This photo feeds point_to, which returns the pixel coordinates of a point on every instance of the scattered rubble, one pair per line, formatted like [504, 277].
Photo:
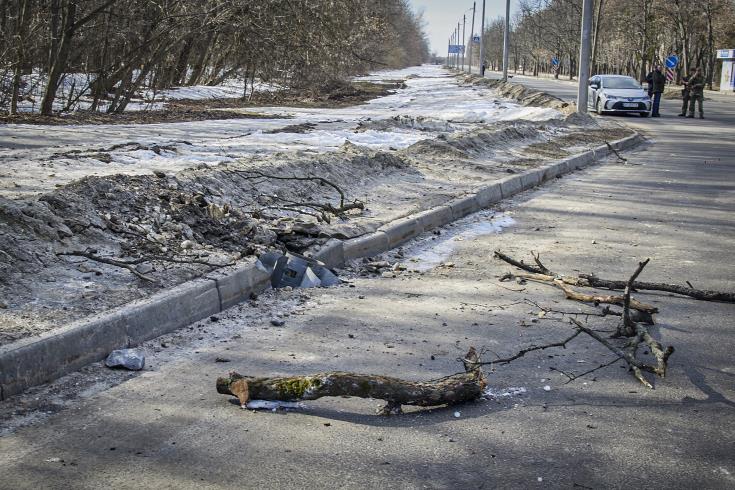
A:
[132, 359]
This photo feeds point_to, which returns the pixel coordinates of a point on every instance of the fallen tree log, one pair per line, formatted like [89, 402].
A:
[450, 390]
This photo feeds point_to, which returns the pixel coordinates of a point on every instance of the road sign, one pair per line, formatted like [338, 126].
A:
[672, 61]
[670, 75]
[724, 54]
[456, 48]
[475, 38]
[555, 61]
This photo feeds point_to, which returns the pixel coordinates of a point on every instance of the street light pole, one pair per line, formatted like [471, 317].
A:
[584, 56]
[506, 40]
[482, 40]
[472, 34]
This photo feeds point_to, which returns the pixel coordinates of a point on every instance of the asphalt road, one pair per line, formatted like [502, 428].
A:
[673, 201]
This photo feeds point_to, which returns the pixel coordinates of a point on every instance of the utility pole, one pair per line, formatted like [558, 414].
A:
[464, 37]
[584, 56]
[449, 47]
[458, 33]
[482, 40]
[506, 40]
[472, 34]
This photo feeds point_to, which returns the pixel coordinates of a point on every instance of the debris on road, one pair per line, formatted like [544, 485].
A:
[450, 390]
[296, 271]
[132, 359]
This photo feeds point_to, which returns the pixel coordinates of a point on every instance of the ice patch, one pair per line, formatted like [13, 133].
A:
[273, 405]
[429, 253]
[506, 393]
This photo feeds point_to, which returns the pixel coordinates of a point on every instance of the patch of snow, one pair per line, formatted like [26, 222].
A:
[506, 393]
[273, 405]
[429, 253]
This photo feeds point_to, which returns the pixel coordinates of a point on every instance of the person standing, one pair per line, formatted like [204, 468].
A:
[685, 94]
[696, 92]
[656, 81]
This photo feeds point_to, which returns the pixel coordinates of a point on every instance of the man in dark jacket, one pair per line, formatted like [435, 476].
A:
[696, 92]
[656, 81]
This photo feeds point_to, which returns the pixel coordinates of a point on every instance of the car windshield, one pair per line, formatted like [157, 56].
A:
[620, 83]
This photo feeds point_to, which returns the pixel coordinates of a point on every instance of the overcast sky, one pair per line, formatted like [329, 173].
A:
[441, 17]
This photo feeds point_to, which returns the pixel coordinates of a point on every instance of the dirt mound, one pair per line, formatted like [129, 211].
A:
[524, 95]
[420, 123]
[479, 143]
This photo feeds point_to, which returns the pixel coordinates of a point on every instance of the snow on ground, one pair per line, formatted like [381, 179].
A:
[432, 103]
[73, 84]
[425, 253]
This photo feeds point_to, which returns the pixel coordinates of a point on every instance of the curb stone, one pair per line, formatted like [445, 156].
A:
[41, 359]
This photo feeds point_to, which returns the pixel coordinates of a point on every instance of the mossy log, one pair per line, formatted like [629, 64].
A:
[449, 390]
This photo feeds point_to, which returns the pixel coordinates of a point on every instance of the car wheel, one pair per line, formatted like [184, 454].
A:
[597, 107]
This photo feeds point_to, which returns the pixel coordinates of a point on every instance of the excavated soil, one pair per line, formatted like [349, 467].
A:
[179, 225]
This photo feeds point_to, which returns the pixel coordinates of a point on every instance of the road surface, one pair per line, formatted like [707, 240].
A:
[673, 201]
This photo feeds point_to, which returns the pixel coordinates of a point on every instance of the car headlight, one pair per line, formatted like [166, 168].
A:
[611, 97]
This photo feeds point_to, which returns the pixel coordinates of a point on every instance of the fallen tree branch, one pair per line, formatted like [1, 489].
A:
[130, 264]
[571, 293]
[612, 149]
[523, 352]
[628, 327]
[254, 174]
[115, 262]
[449, 390]
[628, 353]
[590, 280]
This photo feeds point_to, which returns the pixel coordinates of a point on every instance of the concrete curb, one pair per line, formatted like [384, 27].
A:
[41, 359]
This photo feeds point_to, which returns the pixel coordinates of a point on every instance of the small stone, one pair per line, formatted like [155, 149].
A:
[144, 268]
[547, 388]
[159, 174]
[213, 318]
[187, 245]
[350, 336]
[221, 359]
[457, 414]
[387, 274]
[132, 359]
[277, 323]
[594, 242]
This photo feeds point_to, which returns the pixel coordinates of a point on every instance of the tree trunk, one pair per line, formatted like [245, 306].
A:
[450, 390]
[60, 57]
[595, 39]
[21, 56]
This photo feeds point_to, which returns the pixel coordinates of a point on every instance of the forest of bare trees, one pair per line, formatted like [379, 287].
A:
[629, 36]
[122, 47]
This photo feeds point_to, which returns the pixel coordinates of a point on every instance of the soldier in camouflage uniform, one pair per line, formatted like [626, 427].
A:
[696, 92]
[685, 94]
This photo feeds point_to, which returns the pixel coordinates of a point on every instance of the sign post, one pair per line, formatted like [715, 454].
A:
[671, 62]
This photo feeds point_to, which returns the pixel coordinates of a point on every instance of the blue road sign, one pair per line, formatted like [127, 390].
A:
[554, 61]
[476, 38]
[672, 61]
[456, 48]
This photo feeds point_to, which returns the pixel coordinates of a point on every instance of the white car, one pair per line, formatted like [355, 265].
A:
[617, 93]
